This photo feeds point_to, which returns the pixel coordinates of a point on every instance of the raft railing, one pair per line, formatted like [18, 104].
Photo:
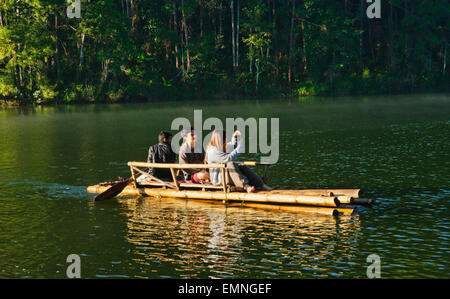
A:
[136, 169]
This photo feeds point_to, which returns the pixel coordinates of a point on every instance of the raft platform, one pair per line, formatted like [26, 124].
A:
[311, 201]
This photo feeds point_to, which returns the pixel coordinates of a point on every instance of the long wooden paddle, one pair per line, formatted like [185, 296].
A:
[113, 190]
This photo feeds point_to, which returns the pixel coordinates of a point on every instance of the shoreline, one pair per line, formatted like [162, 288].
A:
[6, 104]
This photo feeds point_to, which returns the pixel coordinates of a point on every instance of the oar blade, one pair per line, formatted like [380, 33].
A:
[113, 191]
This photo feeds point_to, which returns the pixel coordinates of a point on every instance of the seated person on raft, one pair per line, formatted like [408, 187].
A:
[191, 152]
[241, 176]
[160, 153]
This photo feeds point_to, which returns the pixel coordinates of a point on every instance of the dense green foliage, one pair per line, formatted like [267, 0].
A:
[139, 49]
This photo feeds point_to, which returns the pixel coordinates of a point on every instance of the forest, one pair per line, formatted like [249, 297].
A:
[138, 50]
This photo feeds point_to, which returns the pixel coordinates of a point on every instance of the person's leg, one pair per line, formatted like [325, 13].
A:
[203, 176]
[195, 179]
[252, 176]
[200, 177]
[235, 176]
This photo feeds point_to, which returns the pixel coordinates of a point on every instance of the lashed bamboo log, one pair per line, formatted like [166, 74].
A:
[303, 192]
[354, 201]
[260, 197]
[218, 197]
[337, 192]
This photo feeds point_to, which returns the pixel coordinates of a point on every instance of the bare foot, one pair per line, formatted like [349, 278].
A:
[250, 189]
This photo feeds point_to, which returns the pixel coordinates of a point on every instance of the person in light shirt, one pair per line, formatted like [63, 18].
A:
[241, 176]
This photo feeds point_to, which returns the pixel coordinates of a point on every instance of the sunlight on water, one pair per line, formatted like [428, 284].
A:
[395, 148]
[214, 241]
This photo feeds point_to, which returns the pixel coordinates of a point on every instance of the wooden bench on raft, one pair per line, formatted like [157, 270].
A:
[141, 168]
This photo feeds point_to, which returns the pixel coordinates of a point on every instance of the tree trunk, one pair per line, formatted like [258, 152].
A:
[220, 20]
[175, 25]
[405, 7]
[233, 34]
[390, 53]
[291, 44]
[30, 74]
[370, 40]
[19, 68]
[333, 61]
[237, 36]
[134, 16]
[57, 56]
[257, 75]
[104, 75]
[444, 66]
[361, 9]
[201, 21]
[83, 35]
[250, 50]
[275, 39]
[305, 66]
[188, 59]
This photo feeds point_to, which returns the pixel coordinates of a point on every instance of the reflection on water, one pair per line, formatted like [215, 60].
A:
[197, 239]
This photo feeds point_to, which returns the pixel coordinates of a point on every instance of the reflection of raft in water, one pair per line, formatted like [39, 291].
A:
[316, 201]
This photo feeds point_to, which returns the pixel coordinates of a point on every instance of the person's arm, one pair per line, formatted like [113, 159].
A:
[221, 157]
[151, 155]
[235, 142]
[150, 159]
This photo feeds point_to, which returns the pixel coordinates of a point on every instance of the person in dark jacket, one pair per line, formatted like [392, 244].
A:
[191, 152]
[162, 153]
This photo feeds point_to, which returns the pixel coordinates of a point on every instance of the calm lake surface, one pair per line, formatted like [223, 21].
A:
[396, 148]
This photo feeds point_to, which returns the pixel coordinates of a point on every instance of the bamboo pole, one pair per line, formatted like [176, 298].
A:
[224, 183]
[134, 177]
[354, 201]
[303, 192]
[260, 197]
[174, 165]
[174, 177]
[154, 178]
[337, 192]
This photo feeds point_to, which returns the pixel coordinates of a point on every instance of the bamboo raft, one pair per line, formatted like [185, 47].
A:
[311, 201]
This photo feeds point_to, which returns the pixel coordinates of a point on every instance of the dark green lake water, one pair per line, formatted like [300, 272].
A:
[395, 148]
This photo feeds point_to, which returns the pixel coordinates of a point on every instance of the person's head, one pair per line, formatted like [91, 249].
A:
[189, 136]
[219, 140]
[165, 137]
